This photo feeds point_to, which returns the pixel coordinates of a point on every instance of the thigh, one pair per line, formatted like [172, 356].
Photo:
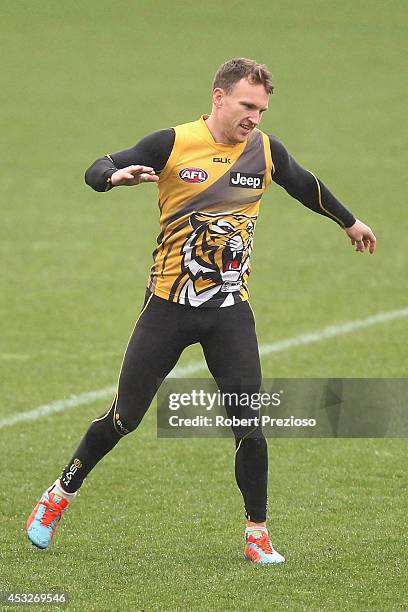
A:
[232, 355]
[231, 347]
[152, 351]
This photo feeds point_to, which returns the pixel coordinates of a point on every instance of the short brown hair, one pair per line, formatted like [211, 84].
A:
[242, 68]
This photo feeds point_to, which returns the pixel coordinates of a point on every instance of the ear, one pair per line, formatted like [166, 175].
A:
[217, 96]
[199, 219]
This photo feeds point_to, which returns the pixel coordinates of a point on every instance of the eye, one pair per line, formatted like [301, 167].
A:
[222, 227]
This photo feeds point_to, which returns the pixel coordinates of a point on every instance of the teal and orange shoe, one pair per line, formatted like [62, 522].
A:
[43, 520]
[259, 549]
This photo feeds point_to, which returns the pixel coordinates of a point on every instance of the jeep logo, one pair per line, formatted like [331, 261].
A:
[193, 175]
[243, 179]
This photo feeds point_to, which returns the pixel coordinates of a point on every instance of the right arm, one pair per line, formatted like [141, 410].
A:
[148, 158]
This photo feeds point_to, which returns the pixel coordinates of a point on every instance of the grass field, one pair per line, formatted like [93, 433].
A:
[158, 525]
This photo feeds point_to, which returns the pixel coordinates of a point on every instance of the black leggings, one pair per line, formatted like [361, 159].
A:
[163, 330]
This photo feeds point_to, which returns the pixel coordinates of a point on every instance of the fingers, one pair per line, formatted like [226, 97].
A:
[133, 175]
[370, 241]
[128, 176]
[137, 170]
[361, 237]
[148, 178]
[143, 174]
[366, 242]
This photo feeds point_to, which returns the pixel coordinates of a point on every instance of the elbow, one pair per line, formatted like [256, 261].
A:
[90, 179]
[87, 177]
[97, 174]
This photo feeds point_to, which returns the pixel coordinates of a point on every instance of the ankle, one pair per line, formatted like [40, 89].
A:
[59, 490]
[251, 524]
[251, 529]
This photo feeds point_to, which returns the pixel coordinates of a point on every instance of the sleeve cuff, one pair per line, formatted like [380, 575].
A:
[108, 174]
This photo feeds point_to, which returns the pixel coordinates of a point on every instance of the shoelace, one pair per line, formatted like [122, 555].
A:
[264, 543]
[52, 512]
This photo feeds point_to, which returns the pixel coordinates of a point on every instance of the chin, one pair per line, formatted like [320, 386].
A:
[241, 138]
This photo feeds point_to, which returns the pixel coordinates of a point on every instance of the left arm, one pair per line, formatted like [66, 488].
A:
[305, 187]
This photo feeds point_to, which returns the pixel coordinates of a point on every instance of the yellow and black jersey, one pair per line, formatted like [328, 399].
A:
[209, 196]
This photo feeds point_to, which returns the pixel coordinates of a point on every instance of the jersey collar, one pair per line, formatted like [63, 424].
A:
[208, 137]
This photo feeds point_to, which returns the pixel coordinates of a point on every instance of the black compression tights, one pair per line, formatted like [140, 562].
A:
[163, 330]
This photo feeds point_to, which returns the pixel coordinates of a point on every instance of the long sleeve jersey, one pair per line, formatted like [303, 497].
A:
[209, 197]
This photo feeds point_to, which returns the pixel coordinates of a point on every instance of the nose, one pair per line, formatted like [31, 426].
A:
[255, 117]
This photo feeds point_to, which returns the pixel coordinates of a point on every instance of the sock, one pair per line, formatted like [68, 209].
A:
[249, 530]
[57, 489]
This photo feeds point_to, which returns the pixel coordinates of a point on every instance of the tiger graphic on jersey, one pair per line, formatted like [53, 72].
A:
[215, 258]
[208, 211]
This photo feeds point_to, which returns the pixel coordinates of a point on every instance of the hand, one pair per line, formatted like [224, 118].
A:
[134, 175]
[361, 236]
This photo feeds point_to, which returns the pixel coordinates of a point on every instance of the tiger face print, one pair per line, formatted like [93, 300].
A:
[215, 258]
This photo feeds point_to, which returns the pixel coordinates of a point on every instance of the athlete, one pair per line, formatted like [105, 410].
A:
[211, 175]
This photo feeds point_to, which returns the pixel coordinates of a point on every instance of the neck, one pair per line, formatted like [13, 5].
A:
[216, 132]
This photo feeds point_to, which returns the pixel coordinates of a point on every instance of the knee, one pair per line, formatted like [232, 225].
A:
[248, 426]
[255, 442]
[124, 422]
[101, 434]
[114, 424]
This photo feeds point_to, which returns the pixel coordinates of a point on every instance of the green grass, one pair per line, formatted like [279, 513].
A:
[158, 525]
[167, 535]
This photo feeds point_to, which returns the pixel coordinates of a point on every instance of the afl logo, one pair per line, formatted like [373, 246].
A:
[193, 175]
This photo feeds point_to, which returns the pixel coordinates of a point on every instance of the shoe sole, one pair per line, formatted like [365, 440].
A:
[36, 544]
[264, 562]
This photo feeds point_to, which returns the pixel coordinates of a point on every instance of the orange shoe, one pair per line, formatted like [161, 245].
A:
[259, 549]
[44, 519]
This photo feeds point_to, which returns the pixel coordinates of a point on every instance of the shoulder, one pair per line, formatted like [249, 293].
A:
[280, 154]
[161, 139]
[277, 145]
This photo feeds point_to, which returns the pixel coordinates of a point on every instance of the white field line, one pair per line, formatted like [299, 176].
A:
[182, 371]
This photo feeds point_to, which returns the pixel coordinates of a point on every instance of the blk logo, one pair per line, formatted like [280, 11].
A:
[244, 179]
[222, 160]
[193, 175]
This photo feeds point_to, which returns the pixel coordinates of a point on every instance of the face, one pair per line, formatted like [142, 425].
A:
[240, 111]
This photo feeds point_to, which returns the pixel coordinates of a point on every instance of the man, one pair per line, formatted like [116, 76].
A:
[211, 175]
